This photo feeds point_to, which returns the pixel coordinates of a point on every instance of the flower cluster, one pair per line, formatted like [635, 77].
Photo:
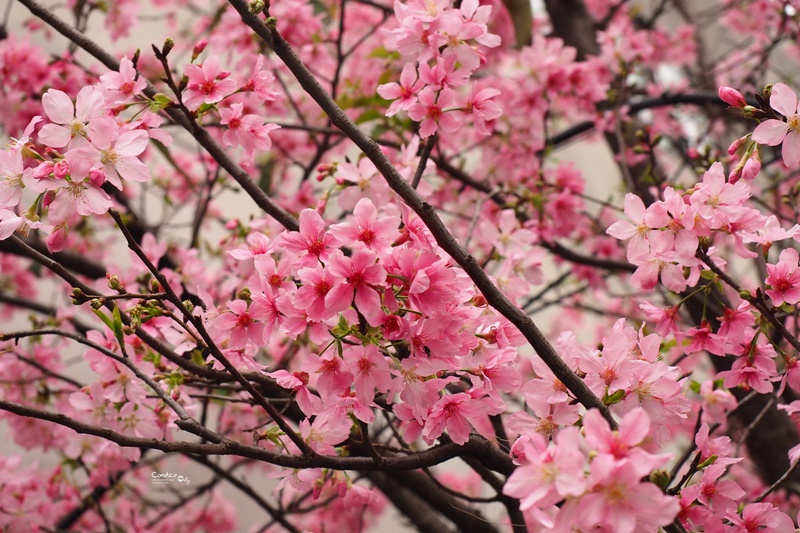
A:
[442, 41]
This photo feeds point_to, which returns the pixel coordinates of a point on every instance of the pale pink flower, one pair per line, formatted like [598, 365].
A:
[774, 132]
[208, 84]
[403, 93]
[122, 86]
[117, 151]
[67, 120]
[547, 474]
[483, 108]
[247, 131]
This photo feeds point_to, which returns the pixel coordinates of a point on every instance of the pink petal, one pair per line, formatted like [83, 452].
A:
[771, 132]
[58, 106]
[54, 136]
[132, 169]
[791, 149]
[783, 100]
[131, 143]
[89, 104]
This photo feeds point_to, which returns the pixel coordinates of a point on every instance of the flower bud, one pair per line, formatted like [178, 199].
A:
[199, 47]
[169, 44]
[736, 145]
[256, 6]
[732, 97]
[749, 111]
[113, 282]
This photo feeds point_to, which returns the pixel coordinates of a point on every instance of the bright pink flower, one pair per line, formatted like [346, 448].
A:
[453, 413]
[751, 372]
[784, 278]
[366, 229]
[761, 518]
[258, 245]
[433, 112]
[702, 338]
[117, 151]
[311, 297]
[208, 84]
[361, 276]
[371, 371]
[334, 377]
[68, 120]
[309, 403]
[774, 132]
[122, 86]
[636, 230]
[403, 93]
[311, 243]
[719, 495]
[239, 325]
[261, 82]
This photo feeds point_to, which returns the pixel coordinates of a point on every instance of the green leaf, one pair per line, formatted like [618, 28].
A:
[614, 398]
[104, 318]
[695, 386]
[117, 326]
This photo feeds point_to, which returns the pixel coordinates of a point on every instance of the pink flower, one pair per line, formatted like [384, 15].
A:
[636, 229]
[361, 275]
[311, 297]
[208, 84]
[402, 93]
[239, 325]
[620, 501]
[118, 151]
[122, 86]
[483, 109]
[622, 444]
[453, 412]
[68, 120]
[371, 371]
[433, 112]
[774, 132]
[720, 495]
[548, 473]
[784, 278]
[762, 518]
[13, 178]
[311, 242]
[247, 131]
[366, 229]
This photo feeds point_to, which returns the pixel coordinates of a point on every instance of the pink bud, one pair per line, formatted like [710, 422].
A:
[736, 145]
[732, 97]
[199, 47]
[60, 169]
[97, 177]
[752, 167]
